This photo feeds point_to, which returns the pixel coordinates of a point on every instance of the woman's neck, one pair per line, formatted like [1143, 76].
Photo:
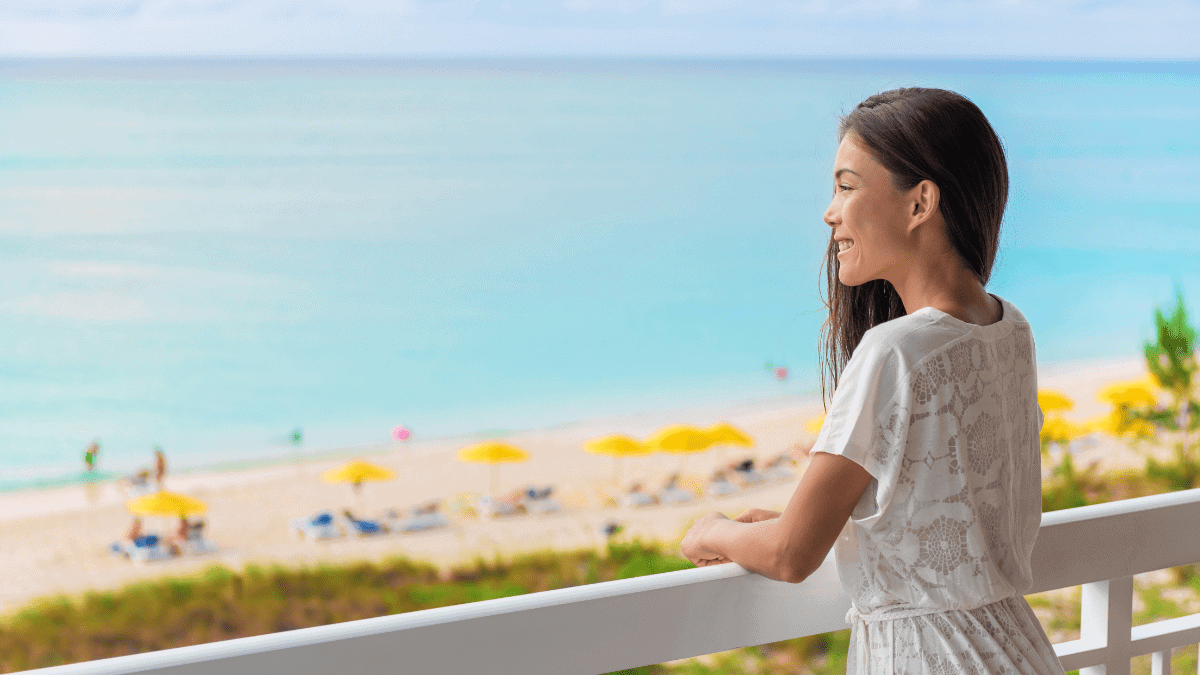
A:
[948, 286]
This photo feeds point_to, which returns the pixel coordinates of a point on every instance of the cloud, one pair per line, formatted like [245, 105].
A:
[804, 28]
[114, 291]
[99, 306]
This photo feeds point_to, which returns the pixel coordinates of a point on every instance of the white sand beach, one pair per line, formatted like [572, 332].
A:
[56, 541]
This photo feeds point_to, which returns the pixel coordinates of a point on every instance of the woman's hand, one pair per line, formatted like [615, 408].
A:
[693, 546]
[755, 515]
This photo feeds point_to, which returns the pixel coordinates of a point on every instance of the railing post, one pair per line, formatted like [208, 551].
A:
[1160, 663]
[1106, 617]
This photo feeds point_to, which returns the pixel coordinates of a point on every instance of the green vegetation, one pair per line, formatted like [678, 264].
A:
[1138, 416]
[222, 604]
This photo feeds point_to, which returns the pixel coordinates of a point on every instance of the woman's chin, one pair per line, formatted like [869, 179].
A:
[848, 278]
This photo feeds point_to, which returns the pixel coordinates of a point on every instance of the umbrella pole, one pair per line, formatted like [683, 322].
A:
[720, 456]
[682, 463]
[492, 481]
[617, 469]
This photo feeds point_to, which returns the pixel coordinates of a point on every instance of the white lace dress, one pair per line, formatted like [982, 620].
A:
[943, 414]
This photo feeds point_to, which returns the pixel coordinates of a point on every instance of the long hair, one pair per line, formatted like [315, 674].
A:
[918, 134]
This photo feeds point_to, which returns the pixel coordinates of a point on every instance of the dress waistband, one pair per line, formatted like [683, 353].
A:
[859, 620]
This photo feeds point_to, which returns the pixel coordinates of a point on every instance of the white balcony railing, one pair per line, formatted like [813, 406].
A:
[614, 625]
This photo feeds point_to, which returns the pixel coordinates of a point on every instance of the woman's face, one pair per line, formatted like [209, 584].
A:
[867, 214]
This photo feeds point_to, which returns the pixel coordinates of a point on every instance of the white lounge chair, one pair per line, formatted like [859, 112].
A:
[540, 501]
[488, 507]
[146, 548]
[636, 499]
[718, 488]
[747, 475]
[320, 526]
[675, 495]
[413, 521]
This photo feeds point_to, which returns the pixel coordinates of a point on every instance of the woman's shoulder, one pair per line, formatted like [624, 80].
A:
[913, 336]
[927, 330]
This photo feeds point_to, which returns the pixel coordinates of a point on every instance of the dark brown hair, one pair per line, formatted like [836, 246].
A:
[918, 134]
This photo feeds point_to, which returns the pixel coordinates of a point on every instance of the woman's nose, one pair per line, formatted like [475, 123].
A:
[830, 216]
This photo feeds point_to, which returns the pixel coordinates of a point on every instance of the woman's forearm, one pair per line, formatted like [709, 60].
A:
[755, 546]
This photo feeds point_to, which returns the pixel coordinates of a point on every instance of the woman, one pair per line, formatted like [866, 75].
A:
[925, 477]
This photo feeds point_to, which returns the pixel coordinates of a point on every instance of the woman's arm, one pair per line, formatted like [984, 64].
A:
[792, 546]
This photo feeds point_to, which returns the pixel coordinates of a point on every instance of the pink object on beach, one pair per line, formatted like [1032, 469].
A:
[400, 434]
[781, 373]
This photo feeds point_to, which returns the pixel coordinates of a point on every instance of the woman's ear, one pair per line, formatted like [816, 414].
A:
[924, 199]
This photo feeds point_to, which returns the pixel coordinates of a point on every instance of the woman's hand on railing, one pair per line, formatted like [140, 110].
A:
[693, 547]
[756, 515]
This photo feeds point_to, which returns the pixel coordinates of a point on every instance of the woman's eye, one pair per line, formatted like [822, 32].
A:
[843, 187]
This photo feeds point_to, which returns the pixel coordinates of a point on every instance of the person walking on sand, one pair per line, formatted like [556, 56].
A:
[925, 478]
[91, 454]
[160, 466]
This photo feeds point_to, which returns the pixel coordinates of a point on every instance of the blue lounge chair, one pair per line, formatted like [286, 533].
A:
[363, 528]
[144, 549]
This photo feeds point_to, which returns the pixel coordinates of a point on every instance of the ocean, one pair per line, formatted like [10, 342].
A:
[206, 255]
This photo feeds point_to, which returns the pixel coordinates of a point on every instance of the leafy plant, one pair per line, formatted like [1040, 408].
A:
[1171, 359]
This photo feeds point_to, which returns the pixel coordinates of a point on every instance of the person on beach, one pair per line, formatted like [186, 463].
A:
[160, 466]
[91, 454]
[925, 477]
[134, 533]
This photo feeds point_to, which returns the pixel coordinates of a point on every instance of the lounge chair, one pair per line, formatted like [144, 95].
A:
[321, 526]
[747, 474]
[414, 520]
[540, 501]
[196, 543]
[144, 549]
[720, 485]
[488, 506]
[363, 528]
[674, 493]
[779, 468]
[636, 497]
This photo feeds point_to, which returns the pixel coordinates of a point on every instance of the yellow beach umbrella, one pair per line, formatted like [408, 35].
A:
[1051, 400]
[1135, 393]
[1114, 424]
[724, 434]
[813, 425]
[680, 439]
[727, 434]
[1056, 429]
[165, 503]
[357, 472]
[493, 453]
[618, 446]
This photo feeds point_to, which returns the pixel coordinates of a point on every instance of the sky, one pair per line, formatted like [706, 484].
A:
[1022, 29]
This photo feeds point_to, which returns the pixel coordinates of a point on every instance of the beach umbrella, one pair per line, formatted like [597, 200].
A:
[1050, 400]
[1057, 429]
[724, 434]
[1115, 424]
[357, 472]
[618, 446]
[1126, 394]
[163, 503]
[813, 425]
[680, 439]
[493, 453]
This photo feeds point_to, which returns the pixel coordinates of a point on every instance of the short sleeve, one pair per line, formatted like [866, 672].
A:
[868, 419]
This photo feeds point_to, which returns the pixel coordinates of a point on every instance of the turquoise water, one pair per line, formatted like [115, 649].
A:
[207, 255]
